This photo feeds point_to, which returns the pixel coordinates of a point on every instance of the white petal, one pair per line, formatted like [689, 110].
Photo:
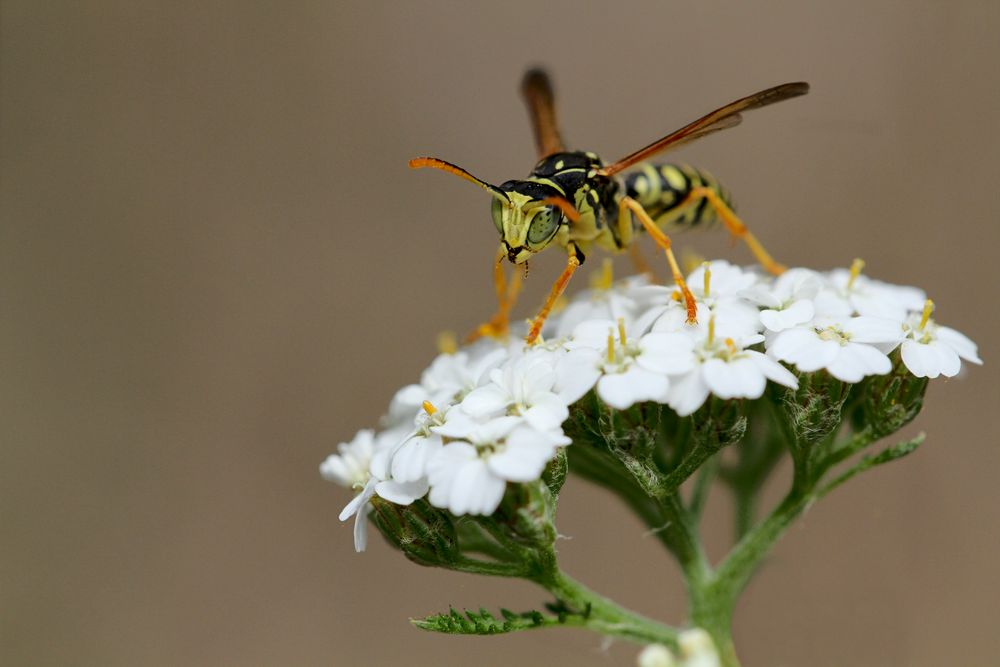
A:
[803, 348]
[648, 319]
[334, 470]
[772, 370]
[486, 400]
[549, 411]
[959, 342]
[576, 374]
[856, 360]
[538, 378]
[950, 362]
[800, 312]
[829, 303]
[647, 385]
[457, 424]
[360, 531]
[402, 493]
[918, 359]
[592, 334]
[409, 460]
[688, 393]
[441, 469]
[495, 429]
[739, 378]
[666, 353]
[930, 360]
[616, 390]
[874, 304]
[734, 319]
[475, 490]
[761, 296]
[522, 459]
[874, 330]
[354, 507]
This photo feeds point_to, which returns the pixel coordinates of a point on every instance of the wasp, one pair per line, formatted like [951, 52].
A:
[572, 200]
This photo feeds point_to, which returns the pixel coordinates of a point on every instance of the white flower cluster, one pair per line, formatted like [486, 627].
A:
[492, 413]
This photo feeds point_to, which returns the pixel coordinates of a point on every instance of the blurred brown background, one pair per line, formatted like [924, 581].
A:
[215, 265]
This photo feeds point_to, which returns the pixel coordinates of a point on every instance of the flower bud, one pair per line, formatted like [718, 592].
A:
[697, 649]
[815, 409]
[425, 534]
[656, 655]
[528, 513]
[892, 401]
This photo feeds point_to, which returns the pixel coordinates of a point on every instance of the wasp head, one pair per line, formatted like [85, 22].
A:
[527, 214]
[526, 224]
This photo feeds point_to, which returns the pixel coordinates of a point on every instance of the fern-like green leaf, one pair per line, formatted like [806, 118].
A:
[482, 622]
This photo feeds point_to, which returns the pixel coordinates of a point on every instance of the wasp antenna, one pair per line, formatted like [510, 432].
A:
[565, 206]
[435, 163]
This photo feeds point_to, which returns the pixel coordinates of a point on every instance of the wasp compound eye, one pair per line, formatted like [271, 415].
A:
[496, 208]
[544, 225]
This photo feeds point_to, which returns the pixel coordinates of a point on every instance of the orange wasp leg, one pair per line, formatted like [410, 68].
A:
[572, 264]
[627, 204]
[498, 325]
[734, 225]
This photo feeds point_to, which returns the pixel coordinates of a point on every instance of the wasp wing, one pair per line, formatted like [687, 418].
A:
[720, 119]
[537, 91]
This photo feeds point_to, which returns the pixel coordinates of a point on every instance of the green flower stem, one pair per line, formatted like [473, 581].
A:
[735, 571]
[680, 534]
[596, 612]
[661, 517]
[702, 485]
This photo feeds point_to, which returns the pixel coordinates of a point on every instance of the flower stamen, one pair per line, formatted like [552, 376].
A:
[429, 408]
[611, 346]
[621, 330]
[711, 330]
[925, 318]
[447, 343]
[708, 278]
[856, 267]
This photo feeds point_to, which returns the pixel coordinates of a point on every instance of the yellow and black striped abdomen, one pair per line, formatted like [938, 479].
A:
[662, 188]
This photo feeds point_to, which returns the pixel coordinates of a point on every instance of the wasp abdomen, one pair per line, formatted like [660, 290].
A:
[661, 189]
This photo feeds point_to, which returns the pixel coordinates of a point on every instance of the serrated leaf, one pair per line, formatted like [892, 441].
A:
[483, 622]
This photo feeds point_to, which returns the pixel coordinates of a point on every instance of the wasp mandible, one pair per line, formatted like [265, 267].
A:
[573, 200]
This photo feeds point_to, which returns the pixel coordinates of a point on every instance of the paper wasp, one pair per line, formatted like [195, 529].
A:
[573, 200]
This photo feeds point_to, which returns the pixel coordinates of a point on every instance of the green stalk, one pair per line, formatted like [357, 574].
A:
[602, 615]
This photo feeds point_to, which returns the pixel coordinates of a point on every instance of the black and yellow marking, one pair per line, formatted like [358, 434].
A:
[662, 189]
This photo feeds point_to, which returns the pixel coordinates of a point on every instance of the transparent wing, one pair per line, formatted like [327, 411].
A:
[537, 91]
[720, 119]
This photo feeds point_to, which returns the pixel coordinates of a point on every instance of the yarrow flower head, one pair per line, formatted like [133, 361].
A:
[467, 471]
[492, 414]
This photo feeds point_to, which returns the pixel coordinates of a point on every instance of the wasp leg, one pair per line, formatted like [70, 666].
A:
[572, 264]
[627, 204]
[498, 325]
[735, 226]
